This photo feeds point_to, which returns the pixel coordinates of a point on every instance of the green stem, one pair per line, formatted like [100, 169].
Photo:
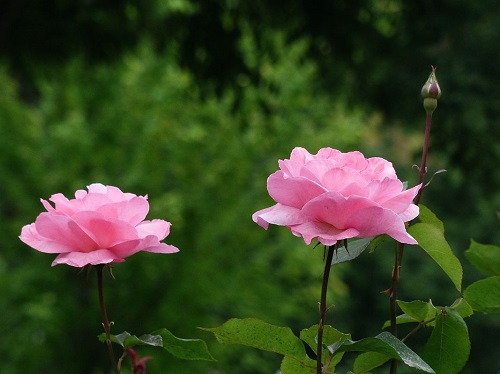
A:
[105, 320]
[425, 151]
[396, 273]
[322, 307]
[419, 326]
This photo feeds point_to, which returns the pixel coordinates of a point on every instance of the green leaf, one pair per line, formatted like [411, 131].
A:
[421, 311]
[291, 366]
[354, 249]
[484, 295]
[462, 307]
[386, 344]
[186, 349]
[126, 340]
[332, 339]
[401, 319]
[448, 347]
[379, 239]
[485, 258]
[258, 334]
[432, 241]
[368, 361]
[427, 216]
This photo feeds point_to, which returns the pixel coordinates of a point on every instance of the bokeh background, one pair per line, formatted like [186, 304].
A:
[193, 102]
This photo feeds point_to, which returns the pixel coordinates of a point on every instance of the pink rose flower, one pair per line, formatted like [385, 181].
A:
[100, 226]
[333, 196]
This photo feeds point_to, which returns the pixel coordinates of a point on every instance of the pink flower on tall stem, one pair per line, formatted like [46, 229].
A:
[100, 226]
[334, 196]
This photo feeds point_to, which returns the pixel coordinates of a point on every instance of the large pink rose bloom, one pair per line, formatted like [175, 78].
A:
[333, 196]
[100, 226]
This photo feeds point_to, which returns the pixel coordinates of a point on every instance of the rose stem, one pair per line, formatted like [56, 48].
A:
[400, 246]
[322, 306]
[105, 321]
[425, 151]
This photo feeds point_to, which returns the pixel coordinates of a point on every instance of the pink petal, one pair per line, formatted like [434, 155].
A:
[279, 215]
[147, 244]
[126, 248]
[98, 188]
[293, 192]
[157, 227]
[80, 259]
[115, 194]
[161, 248]
[31, 237]
[354, 160]
[290, 168]
[63, 205]
[316, 169]
[258, 220]
[374, 220]
[104, 231]
[132, 211]
[328, 153]
[300, 155]
[379, 168]
[94, 201]
[334, 209]
[401, 203]
[346, 181]
[324, 232]
[61, 233]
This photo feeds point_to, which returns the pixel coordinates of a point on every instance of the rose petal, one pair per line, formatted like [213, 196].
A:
[65, 232]
[325, 233]
[290, 168]
[157, 227]
[163, 248]
[104, 231]
[294, 192]
[79, 259]
[374, 220]
[402, 203]
[31, 237]
[379, 168]
[300, 155]
[346, 181]
[279, 215]
[335, 209]
[132, 211]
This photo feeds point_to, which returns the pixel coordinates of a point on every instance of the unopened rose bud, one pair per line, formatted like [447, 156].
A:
[431, 92]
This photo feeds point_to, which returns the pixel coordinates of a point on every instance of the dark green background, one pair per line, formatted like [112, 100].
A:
[193, 102]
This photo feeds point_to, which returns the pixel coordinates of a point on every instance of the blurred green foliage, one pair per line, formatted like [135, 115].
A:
[193, 102]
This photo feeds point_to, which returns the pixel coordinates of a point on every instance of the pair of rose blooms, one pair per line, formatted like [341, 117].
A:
[329, 196]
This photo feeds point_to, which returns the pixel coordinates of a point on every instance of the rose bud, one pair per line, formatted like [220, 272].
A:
[431, 92]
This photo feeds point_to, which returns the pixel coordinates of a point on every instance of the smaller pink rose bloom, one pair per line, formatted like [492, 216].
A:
[334, 196]
[100, 226]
